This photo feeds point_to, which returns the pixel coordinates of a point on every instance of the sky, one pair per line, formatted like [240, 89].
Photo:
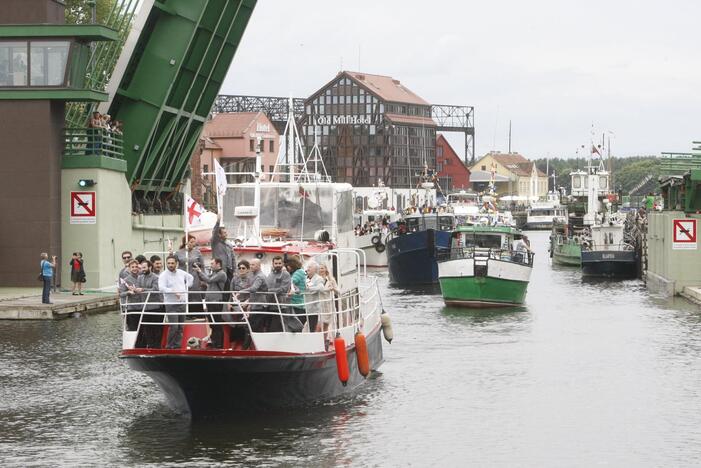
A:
[559, 70]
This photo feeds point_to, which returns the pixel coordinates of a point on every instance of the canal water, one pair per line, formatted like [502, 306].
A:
[587, 373]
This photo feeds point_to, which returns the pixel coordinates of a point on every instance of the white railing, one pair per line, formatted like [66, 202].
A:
[348, 310]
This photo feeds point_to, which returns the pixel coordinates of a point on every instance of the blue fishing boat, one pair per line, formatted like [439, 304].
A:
[412, 247]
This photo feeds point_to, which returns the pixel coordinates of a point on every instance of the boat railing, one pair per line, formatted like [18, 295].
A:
[485, 254]
[588, 245]
[236, 309]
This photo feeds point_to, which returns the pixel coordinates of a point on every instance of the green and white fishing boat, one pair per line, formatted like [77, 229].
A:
[482, 268]
[565, 245]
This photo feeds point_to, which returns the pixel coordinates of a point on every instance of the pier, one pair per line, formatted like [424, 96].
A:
[20, 304]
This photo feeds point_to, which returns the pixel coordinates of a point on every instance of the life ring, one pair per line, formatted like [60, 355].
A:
[375, 240]
[379, 248]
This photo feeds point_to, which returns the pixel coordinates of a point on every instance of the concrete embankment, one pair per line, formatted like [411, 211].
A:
[30, 307]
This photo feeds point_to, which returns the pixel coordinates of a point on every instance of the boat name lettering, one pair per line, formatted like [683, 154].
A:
[608, 256]
[343, 120]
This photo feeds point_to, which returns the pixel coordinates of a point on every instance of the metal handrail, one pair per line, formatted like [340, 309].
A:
[478, 253]
[92, 142]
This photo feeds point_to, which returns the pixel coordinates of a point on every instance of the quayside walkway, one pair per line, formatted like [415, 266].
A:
[25, 304]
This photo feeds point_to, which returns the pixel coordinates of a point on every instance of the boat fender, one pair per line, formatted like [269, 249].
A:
[339, 345]
[387, 327]
[361, 353]
[260, 255]
[375, 240]
[379, 248]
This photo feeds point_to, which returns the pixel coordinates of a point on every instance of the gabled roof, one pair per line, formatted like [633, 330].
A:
[386, 87]
[514, 162]
[441, 140]
[232, 124]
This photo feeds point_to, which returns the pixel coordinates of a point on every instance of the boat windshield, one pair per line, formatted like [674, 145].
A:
[298, 211]
[483, 241]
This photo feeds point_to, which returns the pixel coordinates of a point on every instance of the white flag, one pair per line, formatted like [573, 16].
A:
[193, 212]
[220, 176]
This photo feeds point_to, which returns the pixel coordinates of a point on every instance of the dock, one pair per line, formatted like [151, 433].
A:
[28, 306]
[692, 294]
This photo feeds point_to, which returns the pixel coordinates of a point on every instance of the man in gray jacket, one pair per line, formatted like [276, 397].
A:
[147, 285]
[128, 294]
[216, 282]
[256, 297]
[222, 250]
[279, 283]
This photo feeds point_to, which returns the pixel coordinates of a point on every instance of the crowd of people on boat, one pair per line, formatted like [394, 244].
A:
[238, 294]
[376, 225]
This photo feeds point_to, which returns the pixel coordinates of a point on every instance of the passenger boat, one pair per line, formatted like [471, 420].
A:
[261, 365]
[373, 242]
[412, 247]
[481, 269]
[543, 214]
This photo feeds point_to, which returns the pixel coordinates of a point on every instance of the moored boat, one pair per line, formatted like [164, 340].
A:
[482, 269]
[412, 248]
[566, 245]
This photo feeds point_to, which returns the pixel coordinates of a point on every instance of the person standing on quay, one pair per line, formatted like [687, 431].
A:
[77, 273]
[174, 283]
[47, 274]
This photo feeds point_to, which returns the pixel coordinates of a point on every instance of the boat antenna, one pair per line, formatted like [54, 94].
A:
[509, 136]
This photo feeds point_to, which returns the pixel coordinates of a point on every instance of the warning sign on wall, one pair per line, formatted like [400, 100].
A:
[83, 210]
[684, 237]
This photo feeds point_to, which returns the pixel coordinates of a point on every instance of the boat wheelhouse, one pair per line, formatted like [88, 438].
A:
[413, 246]
[482, 269]
[542, 215]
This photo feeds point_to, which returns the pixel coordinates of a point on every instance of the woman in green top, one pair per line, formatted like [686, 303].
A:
[299, 284]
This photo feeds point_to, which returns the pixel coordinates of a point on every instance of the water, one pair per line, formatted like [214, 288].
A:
[584, 374]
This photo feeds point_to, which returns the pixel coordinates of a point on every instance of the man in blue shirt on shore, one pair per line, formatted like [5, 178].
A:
[47, 274]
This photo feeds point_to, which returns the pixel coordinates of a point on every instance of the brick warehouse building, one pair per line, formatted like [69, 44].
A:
[371, 128]
[452, 172]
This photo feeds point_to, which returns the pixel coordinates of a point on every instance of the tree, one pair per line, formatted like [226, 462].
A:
[80, 11]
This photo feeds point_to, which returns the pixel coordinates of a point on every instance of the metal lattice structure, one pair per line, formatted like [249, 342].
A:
[276, 108]
[168, 85]
[457, 119]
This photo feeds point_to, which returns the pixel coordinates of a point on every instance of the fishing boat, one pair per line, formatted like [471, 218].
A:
[266, 359]
[605, 249]
[566, 244]
[482, 269]
[412, 247]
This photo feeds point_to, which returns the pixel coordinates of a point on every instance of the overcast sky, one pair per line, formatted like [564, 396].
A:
[552, 67]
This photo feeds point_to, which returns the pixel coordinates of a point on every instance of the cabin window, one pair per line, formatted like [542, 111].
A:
[483, 241]
[445, 223]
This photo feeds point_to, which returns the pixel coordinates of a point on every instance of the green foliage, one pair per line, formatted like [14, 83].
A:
[627, 172]
[80, 11]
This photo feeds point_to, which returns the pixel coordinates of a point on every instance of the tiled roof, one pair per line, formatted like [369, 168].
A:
[387, 88]
[411, 119]
[232, 125]
[514, 162]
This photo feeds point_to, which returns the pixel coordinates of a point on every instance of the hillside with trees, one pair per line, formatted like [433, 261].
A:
[627, 172]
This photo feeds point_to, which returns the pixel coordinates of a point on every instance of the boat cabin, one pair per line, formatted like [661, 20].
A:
[422, 221]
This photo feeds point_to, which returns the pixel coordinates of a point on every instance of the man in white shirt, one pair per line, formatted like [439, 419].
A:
[173, 283]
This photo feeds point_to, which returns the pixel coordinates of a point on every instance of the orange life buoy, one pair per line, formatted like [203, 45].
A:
[361, 352]
[339, 345]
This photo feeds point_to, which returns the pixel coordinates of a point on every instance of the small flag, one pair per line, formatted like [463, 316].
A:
[594, 149]
[220, 176]
[193, 212]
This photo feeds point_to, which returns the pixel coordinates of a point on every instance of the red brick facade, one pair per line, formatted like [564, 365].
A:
[452, 172]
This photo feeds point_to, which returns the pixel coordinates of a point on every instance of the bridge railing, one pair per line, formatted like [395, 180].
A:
[92, 142]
